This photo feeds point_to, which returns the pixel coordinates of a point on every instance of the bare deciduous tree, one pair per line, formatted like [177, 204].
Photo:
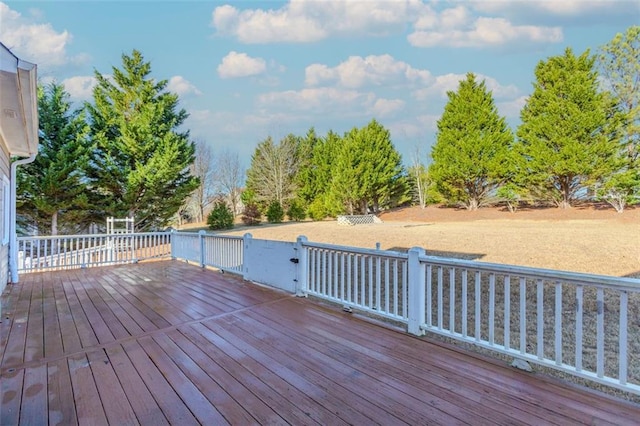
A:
[228, 177]
[202, 168]
[419, 177]
[273, 170]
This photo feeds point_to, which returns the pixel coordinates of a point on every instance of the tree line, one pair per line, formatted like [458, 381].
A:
[125, 153]
[121, 155]
[320, 176]
[578, 140]
[579, 136]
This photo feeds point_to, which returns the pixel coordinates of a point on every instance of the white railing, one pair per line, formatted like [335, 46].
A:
[36, 254]
[371, 280]
[218, 251]
[586, 325]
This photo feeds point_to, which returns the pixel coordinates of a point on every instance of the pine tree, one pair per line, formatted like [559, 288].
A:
[51, 192]
[619, 67]
[317, 188]
[471, 146]
[368, 173]
[569, 137]
[140, 164]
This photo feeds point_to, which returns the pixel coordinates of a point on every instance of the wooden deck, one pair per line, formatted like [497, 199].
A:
[168, 343]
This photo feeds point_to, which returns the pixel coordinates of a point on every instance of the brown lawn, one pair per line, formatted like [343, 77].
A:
[591, 239]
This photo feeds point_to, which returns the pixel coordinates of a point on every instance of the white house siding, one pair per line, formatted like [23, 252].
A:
[5, 173]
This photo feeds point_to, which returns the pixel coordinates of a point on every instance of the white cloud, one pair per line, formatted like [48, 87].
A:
[464, 25]
[35, 42]
[512, 108]
[555, 11]
[449, 82]
[240, 65]
[301, 21]
[386, 107]
[182, 87]
[319, 99]
[80, 87]
[440, 86]
[485, 32]
[414, 127]
[374, 70]
[265, 26]
[329, 102]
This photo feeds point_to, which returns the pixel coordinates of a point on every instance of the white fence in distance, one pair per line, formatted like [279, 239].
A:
[36, 254]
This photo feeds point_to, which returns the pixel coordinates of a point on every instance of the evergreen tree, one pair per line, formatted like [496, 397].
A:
[220, 217]
[321, 199]
[51, 191]
[619, 67]
[472, 143]
[140, 164]
[368, 173]
[306, 181]
[568, 137]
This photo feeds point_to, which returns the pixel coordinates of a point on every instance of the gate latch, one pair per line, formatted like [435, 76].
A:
[294, 260]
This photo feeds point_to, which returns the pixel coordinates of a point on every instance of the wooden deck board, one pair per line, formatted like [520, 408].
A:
[61, 402]
[396, 376]
[168, 343]
[440, 382]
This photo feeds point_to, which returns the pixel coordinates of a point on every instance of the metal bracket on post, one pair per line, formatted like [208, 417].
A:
[417, 293]
[301, 266]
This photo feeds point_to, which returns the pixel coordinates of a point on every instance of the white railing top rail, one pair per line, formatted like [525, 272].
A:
[619, 283]
[357, 250]
[206, 235]
[81, 236]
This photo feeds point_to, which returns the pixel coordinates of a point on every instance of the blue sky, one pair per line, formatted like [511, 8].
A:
[250, 69]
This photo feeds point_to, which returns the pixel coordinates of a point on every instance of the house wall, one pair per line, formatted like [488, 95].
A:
[5, 174]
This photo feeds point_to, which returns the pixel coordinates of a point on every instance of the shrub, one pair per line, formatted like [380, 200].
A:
[275, 213]
[296, 212]
[221, 217]
[251, 215]
[316, 210]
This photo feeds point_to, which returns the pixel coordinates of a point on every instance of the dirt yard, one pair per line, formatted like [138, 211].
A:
[589, 239]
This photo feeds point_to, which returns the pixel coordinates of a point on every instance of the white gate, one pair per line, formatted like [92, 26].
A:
[271, 262]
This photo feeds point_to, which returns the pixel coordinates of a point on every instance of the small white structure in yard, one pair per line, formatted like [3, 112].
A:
[358, 219]
[120, 226]
[18, 138]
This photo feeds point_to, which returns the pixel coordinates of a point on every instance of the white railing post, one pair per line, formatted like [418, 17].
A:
[246, 242]
[201, 235]
[173, 243]
[416, 282]
[301, 278]
[133, 247]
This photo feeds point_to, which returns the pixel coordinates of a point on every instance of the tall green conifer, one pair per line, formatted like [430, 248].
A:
[472, 145]
[51, 191]
[140, 164]
[569, 136]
